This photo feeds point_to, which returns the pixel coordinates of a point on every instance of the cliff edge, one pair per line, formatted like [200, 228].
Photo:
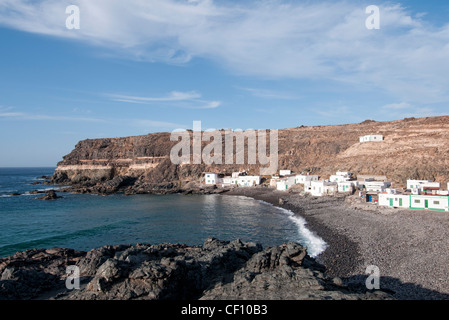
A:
[411, 149]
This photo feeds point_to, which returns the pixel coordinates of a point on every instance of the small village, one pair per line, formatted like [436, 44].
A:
[374, 189]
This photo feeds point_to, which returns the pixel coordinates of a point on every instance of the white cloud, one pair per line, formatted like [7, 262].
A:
[406, 58]
[131, 122]
[173, 96]
[39, 117]
[190, 100]
[397, 106]
[271, 94]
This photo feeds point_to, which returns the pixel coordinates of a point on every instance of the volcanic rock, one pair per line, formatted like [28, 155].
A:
[216, 270]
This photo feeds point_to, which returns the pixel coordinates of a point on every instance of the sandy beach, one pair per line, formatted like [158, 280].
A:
[410, 247]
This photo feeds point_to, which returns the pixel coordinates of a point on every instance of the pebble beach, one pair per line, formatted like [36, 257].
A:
[410, 247]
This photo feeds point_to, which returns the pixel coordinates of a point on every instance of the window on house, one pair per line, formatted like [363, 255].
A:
[417, 201]
[436, 202]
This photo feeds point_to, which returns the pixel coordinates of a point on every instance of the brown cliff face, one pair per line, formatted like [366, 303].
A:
[412, 149]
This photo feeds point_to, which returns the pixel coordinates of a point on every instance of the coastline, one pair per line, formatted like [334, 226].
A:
[409, 247]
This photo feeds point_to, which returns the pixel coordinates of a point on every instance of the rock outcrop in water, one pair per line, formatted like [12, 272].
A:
[412, 149]
[216, 270]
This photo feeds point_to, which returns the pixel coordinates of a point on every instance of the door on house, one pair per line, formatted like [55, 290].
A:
[400, 202]
[426, 202]
[391, 202]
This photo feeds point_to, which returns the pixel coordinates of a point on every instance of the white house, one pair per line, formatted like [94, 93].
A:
[285, 172]
[371, 177]
[372, 137]
[302, 178]
[378, 186]
[347, 186]
[394, 200]
[283, 184]
[211, 178]
[322, 188]
[423, 185]
[417, 202]
[338, 178]
[246, 181]
[416, 184]
[429, 202]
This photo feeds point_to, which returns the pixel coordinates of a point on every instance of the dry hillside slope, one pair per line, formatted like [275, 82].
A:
[412, 148]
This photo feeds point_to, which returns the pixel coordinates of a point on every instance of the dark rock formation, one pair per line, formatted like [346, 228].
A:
[50, 195]
[216, 270]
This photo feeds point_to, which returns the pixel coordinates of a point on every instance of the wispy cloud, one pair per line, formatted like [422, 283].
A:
[271, 94]
[397, 106]
[146, 123]
[406, 58]
[40, 117]
[190, 100]
[173, 96]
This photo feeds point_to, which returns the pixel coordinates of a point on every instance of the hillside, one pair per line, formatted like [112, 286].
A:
[412, 149]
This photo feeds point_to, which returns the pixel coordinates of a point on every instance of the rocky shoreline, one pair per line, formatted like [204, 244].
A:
[217, 270]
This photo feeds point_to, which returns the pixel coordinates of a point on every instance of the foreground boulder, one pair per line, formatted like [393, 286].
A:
[216, 270]
[50, 195]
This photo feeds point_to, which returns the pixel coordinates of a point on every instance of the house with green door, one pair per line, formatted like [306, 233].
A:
[429, 202]
[394, 200]
[415, 201]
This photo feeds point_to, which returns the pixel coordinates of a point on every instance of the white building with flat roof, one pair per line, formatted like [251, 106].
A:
[246, 181]
[423, 184]
[302, 178]
[322, 188]
[285, 172]
[211, 178]
[377, 186]
[347, 186]
[372, 138]
[283, 184]
[394, 200]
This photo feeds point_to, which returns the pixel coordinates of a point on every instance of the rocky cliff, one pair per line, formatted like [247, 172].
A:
[411, 149]
[215, 270]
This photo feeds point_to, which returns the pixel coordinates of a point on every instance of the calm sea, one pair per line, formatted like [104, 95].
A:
[84, 222]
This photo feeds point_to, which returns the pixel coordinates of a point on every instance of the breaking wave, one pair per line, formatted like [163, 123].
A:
[315, 245]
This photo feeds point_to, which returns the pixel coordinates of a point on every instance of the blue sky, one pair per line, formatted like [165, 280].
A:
[136, 67]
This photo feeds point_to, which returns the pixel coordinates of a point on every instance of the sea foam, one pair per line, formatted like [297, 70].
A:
[315, 245]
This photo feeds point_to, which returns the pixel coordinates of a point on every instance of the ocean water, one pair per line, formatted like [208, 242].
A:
[83, 222]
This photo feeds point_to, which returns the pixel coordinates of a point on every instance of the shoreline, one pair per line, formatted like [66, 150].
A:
[409, 247]
[341, 267]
